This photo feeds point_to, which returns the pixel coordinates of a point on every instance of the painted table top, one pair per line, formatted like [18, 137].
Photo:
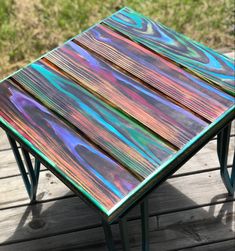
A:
[114, 107]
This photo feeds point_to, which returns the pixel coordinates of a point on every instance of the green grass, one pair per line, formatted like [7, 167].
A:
[29, 28]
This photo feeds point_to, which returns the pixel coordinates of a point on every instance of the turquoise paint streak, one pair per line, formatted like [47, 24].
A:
[55, 79]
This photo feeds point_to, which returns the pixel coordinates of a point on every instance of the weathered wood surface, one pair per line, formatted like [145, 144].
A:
[175, 230]
[223, 245]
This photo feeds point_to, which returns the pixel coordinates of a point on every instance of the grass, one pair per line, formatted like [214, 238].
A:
[29, 28]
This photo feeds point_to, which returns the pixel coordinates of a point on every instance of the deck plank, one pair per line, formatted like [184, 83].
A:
[228, 245]
[175, 194]
[3, 140]
[185, 228]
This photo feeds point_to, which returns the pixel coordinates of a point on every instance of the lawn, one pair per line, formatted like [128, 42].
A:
[29, 28]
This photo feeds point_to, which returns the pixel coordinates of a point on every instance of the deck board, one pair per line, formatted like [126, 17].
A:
[223, 245]
[187, 228]
[51, 189]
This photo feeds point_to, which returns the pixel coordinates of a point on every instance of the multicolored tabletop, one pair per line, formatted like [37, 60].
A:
[117, 108]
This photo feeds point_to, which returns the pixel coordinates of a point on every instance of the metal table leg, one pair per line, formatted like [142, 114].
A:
[124, 234]
[222, 150]
[145, 224]
[31, 183]
[108, 235]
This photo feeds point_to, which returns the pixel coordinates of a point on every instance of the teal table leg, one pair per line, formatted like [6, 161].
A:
[108, 235]
[145, 224]
[31, 178]
[124, 234]
[222, 150]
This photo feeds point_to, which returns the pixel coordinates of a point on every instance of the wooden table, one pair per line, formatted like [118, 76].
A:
[116, 110]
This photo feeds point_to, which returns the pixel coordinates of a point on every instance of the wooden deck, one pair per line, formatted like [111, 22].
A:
[191, 211]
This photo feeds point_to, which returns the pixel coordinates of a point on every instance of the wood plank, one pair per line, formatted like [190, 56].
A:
[4, 144]
[13, 192]
[200, 59]
[133, 146]
[166, 119]
[8, 166]
[103, 181]
[206, 158]
[228, 245]
[184, 88]
[184, 228]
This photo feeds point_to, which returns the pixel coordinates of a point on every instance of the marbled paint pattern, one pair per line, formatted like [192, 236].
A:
[133, 146]
[194, 93]
[104, 179]
[168, 120]
[175, 46]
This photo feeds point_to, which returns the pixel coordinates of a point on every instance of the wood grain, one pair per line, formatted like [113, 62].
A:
[198, 163]
[194, 223]
[137, 149]
[52, 218]
[184, 88]
[227, 245]
[168, 120]
[177, 47]
[105, 181]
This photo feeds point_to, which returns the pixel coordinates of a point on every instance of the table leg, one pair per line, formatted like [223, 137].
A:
[32, 183]
[222, 150]
[124, 234]
[108, 235]
[145, 224]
